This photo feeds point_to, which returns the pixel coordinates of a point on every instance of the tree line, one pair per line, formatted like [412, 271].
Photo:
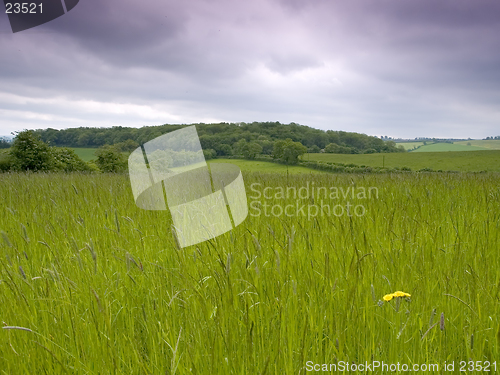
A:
[50, 149]
[227, 139]
[4, 143]
[29, 153]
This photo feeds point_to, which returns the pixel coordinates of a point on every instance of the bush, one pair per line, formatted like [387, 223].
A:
[126, 146]
[6, 162]
[313, 149]
[224, 150]
[65, 159]
[209, 154]
[109, 159]
[288, 151]
[334, 148]
[93, 167]
[30, 153]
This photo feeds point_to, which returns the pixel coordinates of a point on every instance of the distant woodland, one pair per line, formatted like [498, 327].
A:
[227, 139]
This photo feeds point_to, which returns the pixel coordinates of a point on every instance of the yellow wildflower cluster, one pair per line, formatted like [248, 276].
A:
[388, 297]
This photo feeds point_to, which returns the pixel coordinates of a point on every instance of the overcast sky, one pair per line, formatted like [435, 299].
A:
[402, 68]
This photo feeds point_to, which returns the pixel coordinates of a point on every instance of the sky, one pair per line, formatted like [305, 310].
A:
[399, 68]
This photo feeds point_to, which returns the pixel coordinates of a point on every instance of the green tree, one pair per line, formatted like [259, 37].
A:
[288, 151]
[209, 154]
[278, 149]
[127, 146]
[83, 139]
[224, 150]
[109, 159]
[332, 148]
[267, 146]
[292, 152]
[251, 150]
[6, 161]
[239, 147]
[314, 149]
[4, 143]
[30, 153]
[65, 159]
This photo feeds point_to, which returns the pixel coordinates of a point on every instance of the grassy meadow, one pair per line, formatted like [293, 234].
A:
[476, 161]
[493, 144]
[86, 154]
[458, 159]
[90, 284]
[444, 147]
[410, 145]
[471, 145]
[265, 166]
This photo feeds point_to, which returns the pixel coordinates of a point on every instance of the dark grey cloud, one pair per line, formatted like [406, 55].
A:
[396, 67]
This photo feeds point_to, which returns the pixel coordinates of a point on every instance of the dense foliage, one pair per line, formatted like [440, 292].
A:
[110, 159]
[288, 151]
[4, 143]
[30, 153]
[226, 139]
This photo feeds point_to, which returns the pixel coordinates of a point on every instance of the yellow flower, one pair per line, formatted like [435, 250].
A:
[388, 297]
[401, 294]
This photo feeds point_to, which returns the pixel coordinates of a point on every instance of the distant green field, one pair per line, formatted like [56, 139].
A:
[464, 161]
[86, 154]
[472, 145]
[410, 145]
[265, 166]
[490, 144]
[487, 160]
[442, 147]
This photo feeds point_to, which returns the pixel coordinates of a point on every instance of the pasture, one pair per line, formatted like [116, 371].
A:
[90, 284]
[265, 166]
[470, 145]
[410, 145]
[493, 144]
[86, 154]
[447, 161]
[444, 147]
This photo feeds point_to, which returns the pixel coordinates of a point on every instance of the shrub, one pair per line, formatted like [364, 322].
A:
[126, 146]
[209, 154]
[288, 151]
[314, 149]
[6, 162]
[30, 153]
[65, 159]
[109, 159]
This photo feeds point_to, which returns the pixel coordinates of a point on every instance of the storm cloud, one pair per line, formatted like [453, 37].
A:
[403, 68]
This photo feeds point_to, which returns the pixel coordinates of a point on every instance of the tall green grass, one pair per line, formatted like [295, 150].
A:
[90, 284]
